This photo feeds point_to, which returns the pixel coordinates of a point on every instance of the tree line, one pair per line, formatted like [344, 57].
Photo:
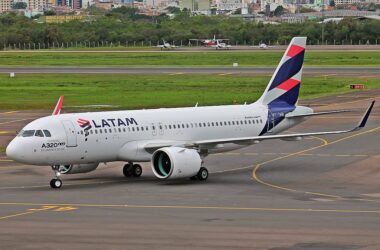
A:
[126, 26]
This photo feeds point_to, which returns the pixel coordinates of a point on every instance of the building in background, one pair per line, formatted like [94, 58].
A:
[5, 5]
[37, 5]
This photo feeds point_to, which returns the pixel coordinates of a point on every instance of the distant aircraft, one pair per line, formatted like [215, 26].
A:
[210, 42]
[174, 140]
[166, 45]
[220, 45]
[262, 46]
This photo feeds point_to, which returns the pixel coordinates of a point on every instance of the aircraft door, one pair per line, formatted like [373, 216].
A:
[71, 136]
[270, 120]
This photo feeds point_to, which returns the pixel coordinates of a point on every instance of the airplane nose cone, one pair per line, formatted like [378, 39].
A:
[12, 152]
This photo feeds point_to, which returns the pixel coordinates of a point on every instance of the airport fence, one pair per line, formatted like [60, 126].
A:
[181, 43]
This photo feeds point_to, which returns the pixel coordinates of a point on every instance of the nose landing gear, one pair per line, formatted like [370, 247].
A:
[56, 181]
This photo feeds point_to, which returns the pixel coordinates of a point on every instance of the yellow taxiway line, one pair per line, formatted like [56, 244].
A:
[252, 209]
[324, 144]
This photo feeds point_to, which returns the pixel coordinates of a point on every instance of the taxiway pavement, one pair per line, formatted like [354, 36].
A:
[319, 193]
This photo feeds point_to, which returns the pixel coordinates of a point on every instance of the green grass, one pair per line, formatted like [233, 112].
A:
[220, 58]
[30, 91]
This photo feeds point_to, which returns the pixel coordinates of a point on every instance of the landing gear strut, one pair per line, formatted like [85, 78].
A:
[56, 181]
[131, 169]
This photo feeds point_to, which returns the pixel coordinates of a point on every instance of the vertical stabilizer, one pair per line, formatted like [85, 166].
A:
[284, 86]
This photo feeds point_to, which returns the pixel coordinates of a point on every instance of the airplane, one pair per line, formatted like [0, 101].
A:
[174, 140]
[210, 42]
[220, 45]
[166, 45]
[262, 46]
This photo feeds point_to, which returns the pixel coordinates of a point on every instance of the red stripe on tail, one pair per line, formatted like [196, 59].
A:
[295, 50]
[288, 84]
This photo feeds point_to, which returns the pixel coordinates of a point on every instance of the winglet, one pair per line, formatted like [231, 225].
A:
[364, 119]
[58, 107]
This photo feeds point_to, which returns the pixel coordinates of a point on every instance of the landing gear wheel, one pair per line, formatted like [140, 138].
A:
[202, 174]
[55, 183]
[136, 170]
[127, 170]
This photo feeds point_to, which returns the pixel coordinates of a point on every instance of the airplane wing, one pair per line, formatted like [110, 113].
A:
[257, 139]
[296, 136]
[58, 106]
[319, 113]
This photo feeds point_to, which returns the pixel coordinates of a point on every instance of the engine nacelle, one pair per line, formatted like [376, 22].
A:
[175, 163]
[78, 168]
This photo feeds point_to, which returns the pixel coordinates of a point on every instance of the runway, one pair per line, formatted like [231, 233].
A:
[319, 193]
[342, 71]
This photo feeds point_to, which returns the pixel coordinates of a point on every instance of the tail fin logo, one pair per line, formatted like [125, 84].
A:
[284, 86]
[85, 124]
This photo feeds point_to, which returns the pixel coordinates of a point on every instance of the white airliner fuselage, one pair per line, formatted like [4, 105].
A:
[122, 135]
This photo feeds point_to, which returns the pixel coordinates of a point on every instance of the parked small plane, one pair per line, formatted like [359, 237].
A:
[212, 42]
[166, 45]
[174, 140]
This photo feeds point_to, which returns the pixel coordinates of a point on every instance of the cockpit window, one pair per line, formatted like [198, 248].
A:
[39, 133]
[28, 133]
[47, 133]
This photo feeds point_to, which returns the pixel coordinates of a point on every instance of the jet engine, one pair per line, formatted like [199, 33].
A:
[175, 163]
[78, 168]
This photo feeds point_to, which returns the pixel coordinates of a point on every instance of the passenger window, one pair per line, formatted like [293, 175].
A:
[100, 131]
[187, 125]
[249, 121]
[146, 128]
[81, 132]
[233, 123]
[183, 126]
[39, 133]
[225, 123]
[123, 129]
[212, 124]
[142, 128]
[129, 129]
[170, 126]
[137, 128]
[96, 131]
[119, 130]
[208, 124]
[110, 130]
[160, 127]
[261, 121]
[47, 133]
[245, 122]
[91, 132]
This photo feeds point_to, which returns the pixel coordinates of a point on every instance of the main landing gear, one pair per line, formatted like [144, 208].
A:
[202, 174]
[131, 169]
[56, 181]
